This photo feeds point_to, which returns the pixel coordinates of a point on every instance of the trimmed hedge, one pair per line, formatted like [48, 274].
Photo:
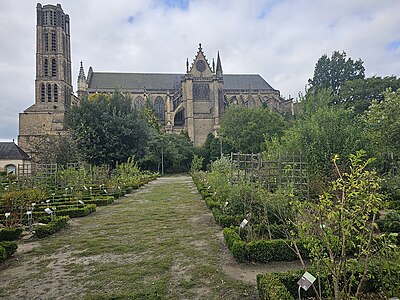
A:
[77, 212]
[270, 288]
[7, 249]
[260, 250]
[10, 234]
[225, 220]
[57, 224]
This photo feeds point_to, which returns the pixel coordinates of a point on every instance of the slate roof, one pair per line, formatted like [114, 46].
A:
[9, 150]
[155, 81]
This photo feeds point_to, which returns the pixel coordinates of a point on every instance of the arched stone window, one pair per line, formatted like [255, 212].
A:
[53, 68]
[139, 103]
[55, 93]
[10, 169]
[159, 108]
[46, 67]
[42, 93]
[49, 92]
[180, 117]
[54, 42]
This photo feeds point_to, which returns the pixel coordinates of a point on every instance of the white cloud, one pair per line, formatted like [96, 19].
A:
[281, 40]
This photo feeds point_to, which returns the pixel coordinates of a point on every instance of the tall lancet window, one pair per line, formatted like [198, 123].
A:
[49, 93]
[159, 108]
[55, 93]
[42, 93]
[53, 68]
[46, 67]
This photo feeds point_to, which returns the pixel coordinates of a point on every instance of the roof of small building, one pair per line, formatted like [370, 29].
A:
[158, 81]
[9, 150]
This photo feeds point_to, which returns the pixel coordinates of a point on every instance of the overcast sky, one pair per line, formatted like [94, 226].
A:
[280, 40]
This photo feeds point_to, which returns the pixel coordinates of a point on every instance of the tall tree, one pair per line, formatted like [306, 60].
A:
[245, 129]
[107, 129]
[358, 94]
[383, 126]
[334, 71]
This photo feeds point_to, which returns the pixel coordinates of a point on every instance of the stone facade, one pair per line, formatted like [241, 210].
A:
[192, 102]
[53, 84]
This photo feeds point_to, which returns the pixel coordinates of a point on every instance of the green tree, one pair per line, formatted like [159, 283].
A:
[320, 132]
[60, 149]
[334, 71]
[173, 151]
[340, 229]
[358, 94]
[245, 129]
[383, 127]
[107, 129]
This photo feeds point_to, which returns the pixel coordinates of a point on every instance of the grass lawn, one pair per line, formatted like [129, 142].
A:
[158, 243]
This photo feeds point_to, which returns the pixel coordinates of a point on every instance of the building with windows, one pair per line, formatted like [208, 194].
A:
[53, 84]
[11, 157]
[192, 101]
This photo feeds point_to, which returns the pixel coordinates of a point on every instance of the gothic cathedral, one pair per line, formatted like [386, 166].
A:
[192, 101]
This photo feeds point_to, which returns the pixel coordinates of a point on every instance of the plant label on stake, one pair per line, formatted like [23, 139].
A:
[244, 223]
[306, 281]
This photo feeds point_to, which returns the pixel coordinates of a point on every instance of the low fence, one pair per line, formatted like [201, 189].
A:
[284, 172]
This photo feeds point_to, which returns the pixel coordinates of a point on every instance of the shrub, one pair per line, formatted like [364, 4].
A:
[57, 224]
[77, 212]
[10, 234]
[225, 220]
[211, 204]
[3, 254]
[261, 250]
[7, 249]
[391, 223]
[270, 288]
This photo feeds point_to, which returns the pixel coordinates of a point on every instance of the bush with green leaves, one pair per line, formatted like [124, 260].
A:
[7, 249]
[54, 226]
[261, 250]
[10, 233]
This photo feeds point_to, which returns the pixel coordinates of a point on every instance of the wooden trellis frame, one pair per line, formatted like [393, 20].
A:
[284, 172]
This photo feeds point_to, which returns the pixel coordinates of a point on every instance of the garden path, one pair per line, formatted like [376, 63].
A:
[160, 242]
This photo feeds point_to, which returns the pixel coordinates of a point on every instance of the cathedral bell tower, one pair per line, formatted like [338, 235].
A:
[202, 88]
[53, 88]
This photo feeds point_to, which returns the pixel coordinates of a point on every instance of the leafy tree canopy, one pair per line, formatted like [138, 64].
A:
[358, 94]
[175, 151]
[382, 121]
[107, 129]
[334, 71]
[322, 131]
[245, 129]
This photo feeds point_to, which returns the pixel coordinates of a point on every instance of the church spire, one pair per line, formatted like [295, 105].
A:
[82, 82]
[219, 66]
[81, 75]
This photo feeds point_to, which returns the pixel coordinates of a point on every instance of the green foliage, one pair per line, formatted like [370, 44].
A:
[60, 149]
[7, 249]
[334, 71]
[322, 131]
[244, 129]
[175, 149]
[391, 222]
[271, 288]
[382, 122]
[358, 94]
[221, 166]
[107, 128]
[197, 164]
[10, 234]
[260, 250]
[54, 226]
[342, 221]
[77, 212]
